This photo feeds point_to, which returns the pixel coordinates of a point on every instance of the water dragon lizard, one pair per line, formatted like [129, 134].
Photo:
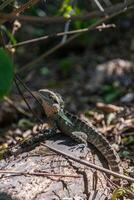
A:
[53, 106]
[65, 122]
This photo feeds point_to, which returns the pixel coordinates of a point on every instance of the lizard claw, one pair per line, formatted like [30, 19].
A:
[82, 147]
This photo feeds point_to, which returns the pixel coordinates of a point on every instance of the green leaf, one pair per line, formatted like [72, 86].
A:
[6, 73]
[67, 9]
[119, 192]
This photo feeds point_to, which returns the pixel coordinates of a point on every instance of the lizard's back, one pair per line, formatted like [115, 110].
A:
[83, 132]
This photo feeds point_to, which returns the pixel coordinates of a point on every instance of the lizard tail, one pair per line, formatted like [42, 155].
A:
[109, 154]
[101, 143]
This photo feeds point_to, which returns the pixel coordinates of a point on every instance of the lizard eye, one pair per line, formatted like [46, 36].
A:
[53, 100]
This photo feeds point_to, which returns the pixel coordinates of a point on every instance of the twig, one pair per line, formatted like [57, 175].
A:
[66, 30]
[99, 5]
[37, 174]
[58, 35]
[58, 46]
[107, 171]
[22, 8]
[105, 26]
[25, 100]
[57, 19]
[26, 88]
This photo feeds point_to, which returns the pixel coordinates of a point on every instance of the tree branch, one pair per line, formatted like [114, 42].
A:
[60, 19]
[89, 164]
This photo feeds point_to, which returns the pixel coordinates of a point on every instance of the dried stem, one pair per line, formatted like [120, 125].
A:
[60, 19]
[21, 9]
[107, 171]
[37, 173]
[58, 35]
[25, 100]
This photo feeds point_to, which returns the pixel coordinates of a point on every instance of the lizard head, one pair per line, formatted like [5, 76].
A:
[52, 102]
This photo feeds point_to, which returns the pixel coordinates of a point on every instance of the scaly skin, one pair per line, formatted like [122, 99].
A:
[82, 132]
[68, 124]
[53, 106]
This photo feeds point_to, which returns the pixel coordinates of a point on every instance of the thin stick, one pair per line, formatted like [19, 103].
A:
[99, 5]
[37, 174]
[61, 19]
[107, 171]
[57, 35]
[21, 93]
[22, 8]
[26, 88]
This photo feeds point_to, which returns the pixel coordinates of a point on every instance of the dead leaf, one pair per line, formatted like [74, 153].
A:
[108, 108]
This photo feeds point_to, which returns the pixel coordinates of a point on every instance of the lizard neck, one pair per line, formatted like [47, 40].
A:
[61, 116]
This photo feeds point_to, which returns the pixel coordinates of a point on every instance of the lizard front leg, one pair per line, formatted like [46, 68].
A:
[81, 138]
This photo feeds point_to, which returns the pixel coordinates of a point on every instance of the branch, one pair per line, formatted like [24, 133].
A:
[58, 35]
[89, 164]
[60, 19]
[21, 9]
[44, 174]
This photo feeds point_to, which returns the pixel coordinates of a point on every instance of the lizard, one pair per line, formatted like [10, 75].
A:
[69, 124]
